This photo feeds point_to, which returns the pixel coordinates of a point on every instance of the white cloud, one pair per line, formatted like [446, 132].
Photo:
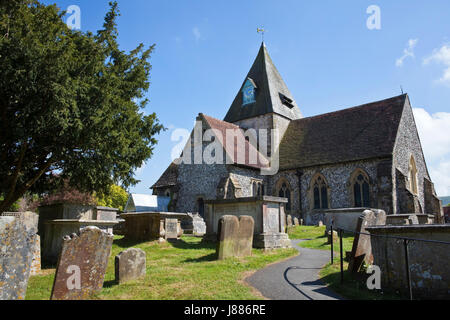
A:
[197, 34]
[441, 56]
[407, 52]
[434, 132]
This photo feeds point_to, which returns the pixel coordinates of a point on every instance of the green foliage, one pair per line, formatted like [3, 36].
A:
[70, 103]
[117, 197]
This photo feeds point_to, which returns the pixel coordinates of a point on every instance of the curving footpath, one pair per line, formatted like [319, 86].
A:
[296, 278]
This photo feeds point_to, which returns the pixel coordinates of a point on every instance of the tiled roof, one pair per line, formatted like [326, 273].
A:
[364, 132]
[232, 152]
[169, 177]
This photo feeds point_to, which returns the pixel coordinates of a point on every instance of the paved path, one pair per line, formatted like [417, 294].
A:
[296, 278]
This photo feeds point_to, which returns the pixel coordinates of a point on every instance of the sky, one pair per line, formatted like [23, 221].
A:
[331, 54]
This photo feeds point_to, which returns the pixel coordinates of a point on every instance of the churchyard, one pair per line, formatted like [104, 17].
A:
[176, 270]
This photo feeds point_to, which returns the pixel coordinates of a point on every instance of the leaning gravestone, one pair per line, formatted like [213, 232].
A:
[235, 236]
[130, 265]
[82, 264]
[17, 244]
[296, 222]
[362, 247]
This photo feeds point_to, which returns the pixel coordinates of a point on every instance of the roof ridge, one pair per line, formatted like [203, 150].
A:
[352, 108]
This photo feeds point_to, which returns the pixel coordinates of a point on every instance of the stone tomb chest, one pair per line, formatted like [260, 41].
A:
[149, 226]
[267, 212]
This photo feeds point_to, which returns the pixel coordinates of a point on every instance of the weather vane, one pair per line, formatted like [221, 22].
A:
[262, 31]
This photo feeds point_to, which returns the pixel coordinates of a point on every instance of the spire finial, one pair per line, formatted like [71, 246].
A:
[262, 31]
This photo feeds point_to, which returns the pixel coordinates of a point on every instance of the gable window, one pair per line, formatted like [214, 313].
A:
[248, 92]
[284, 191]
[319, 197]
[412, 176]
[361, 189]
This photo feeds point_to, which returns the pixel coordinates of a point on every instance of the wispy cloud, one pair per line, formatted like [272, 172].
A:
[433, 130]
[441, 56]
[407, 52]
[197, 34]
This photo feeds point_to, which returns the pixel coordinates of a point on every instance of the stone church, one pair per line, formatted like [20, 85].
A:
[367, 156]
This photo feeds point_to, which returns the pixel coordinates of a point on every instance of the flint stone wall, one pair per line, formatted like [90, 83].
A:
[430, 275]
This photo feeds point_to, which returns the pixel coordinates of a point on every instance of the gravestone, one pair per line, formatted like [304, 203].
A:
[36, 262]
[171, 227]
[289, 221]
[235, 236]
[320, 224]
[130, 265]
[82, 264]
[335, 237]
[296, 222]
[362, 247]
[245, 236]
[17, 244]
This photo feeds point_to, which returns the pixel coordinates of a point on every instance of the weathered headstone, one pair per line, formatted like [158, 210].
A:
[82, 264]
[320, 224]
[289, 221]
[296, 222]
[334, 237]
[171, 228]
[36, 262]
[130, 265]
[17, 244]
[235, 236]
[245, 236]
[362, 248]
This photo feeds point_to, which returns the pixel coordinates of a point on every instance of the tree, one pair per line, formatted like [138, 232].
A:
[117, 197]
[70, 103]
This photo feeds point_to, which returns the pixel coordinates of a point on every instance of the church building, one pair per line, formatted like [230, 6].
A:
[368, 156]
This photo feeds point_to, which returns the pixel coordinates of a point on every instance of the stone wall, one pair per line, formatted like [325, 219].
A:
[338, 179]
[428, 262]
[407, 144]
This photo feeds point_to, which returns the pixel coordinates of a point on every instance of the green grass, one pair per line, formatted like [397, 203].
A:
[181, 270]
[354, 287]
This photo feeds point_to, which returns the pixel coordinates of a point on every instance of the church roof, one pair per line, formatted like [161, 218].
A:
[222, 127]
[169, 177]
[364, 132]
[271, 93]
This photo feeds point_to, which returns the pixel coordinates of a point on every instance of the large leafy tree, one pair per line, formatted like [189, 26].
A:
[70, 104]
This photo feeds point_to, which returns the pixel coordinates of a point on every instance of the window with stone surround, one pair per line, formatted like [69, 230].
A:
[412, 176]
[284, 190]
[319, 193]
[360, 189]
[257, 187]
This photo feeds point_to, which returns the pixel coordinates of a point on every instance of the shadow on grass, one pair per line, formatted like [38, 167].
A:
[125, 243]
[110, 284]
[181, 244]
[207, 258]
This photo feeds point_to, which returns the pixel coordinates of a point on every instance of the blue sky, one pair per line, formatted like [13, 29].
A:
[323, 49]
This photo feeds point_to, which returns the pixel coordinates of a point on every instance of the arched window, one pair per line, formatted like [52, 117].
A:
[319, 196]
[412, 176]
[360, 188]
[257, 188]
[284, 191]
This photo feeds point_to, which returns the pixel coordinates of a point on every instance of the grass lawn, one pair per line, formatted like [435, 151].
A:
[181, 270]
[352, 288]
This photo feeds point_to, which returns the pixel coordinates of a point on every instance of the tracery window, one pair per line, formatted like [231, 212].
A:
[284, 191]
[319, 189]
[360, 185]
